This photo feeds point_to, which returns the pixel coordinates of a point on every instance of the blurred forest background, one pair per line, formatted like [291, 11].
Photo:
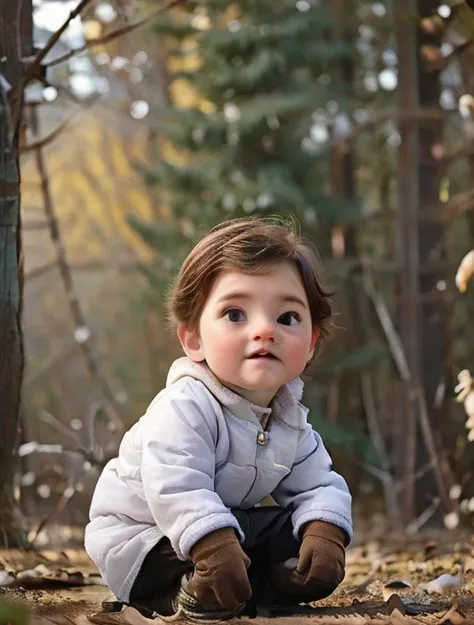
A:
[355, 116]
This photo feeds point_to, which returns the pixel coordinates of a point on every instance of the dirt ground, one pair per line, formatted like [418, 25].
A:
[400, 580]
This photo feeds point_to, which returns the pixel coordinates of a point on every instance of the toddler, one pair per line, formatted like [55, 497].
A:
[175, 522]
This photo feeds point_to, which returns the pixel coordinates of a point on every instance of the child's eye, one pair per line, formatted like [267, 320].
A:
[289, 318]
[234, 315]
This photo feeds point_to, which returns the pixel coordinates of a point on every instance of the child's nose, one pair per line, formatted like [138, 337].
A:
[264, 330]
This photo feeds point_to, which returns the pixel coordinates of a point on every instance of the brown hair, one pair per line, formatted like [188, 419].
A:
[250, 245]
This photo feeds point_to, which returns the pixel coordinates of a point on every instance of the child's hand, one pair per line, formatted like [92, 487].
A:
[220, 572]
[321, 558]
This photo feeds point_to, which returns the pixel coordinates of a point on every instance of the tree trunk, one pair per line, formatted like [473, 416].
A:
[421, 243]
[13, 23]
[432, 250]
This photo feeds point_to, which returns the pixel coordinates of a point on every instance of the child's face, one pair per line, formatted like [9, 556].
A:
[255, 331]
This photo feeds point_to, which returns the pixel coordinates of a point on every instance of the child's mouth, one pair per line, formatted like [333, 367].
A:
[266, 356]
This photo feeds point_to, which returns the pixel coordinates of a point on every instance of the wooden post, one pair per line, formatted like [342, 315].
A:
[14, 22]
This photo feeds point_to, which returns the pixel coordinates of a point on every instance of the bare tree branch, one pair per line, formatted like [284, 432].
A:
[390, 492]
[90, 357]
[93, 265]
[62, 90]
[49, 138]
[417, 524]
[38, 224]
[457, 50]
[39, 271]
[460, 204]
[59, 129]
[400, 485]
[115, 33]
[94, 453]
[413, 389]
[51, 362]
[86, 453]
[58, 507]
[32, 67]
[55, 37]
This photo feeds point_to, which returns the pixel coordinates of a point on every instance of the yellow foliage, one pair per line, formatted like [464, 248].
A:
[188, 63]
[189, 44]
[183, 94]
[205, 106]
[173, 155]
[94, 185]
[191, 63]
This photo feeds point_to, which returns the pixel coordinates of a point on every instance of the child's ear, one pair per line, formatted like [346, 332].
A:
[190, 342]
[314, 339]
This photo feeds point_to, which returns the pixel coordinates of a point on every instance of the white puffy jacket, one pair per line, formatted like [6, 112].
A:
[198, 451]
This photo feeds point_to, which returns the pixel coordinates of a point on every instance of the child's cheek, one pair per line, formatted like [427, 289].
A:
[298, 353]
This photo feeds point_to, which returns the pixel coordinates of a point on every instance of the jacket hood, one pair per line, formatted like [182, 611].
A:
[287, 395]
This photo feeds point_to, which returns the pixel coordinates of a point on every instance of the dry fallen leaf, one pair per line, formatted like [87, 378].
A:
[6, 579]
[394, 602]
[452, 616]
[443, 584]
[396, 586]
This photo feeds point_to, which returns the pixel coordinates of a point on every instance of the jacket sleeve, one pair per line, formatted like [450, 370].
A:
[177, 471]
[313, 489]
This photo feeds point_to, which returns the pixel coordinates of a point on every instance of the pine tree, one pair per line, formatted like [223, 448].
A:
[270, 95]
[256, 141]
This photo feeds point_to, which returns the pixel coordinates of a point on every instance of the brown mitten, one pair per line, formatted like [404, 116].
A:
[220, 571]
[320, 566]
[321, 558]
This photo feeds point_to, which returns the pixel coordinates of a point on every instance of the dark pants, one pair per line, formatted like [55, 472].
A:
[268, 541]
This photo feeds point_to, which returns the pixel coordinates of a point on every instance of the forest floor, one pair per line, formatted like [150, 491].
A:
[400, 580]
